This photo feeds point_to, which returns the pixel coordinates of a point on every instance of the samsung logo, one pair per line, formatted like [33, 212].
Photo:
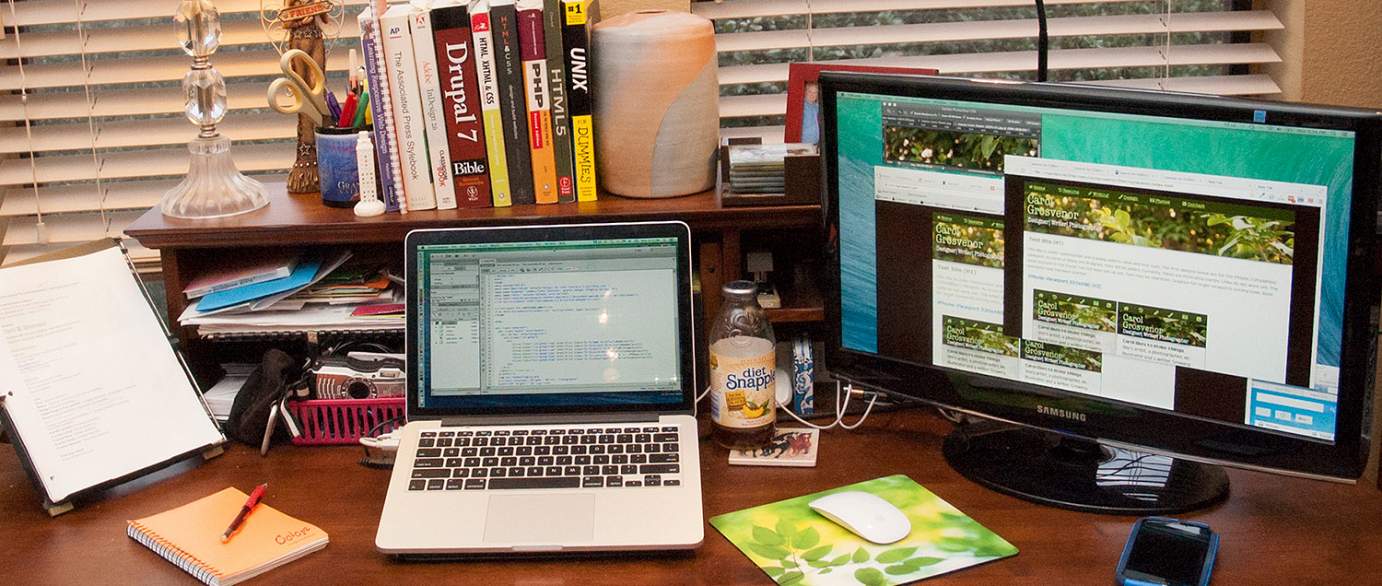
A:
[1062, 413]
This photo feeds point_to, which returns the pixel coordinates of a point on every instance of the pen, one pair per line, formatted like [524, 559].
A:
[360, 111]
[244, 512]
[333, 105]
[347, 115]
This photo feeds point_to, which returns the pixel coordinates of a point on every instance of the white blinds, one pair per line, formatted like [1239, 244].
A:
[98, 82]
[1184, 45]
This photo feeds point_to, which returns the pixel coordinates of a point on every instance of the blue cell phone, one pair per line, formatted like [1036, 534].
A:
[1168, 552]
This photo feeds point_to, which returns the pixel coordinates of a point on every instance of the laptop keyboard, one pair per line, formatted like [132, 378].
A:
[583, 457]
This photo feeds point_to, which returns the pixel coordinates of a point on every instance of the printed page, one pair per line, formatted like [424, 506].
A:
[92, 385]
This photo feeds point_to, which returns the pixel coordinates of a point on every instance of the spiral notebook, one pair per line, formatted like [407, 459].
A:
[190, 537]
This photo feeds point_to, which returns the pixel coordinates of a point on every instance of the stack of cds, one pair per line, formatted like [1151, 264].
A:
[758, 168]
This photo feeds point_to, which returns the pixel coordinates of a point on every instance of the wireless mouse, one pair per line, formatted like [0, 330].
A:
[864, 514]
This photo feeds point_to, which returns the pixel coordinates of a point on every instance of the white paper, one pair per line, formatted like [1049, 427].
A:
[91, 383]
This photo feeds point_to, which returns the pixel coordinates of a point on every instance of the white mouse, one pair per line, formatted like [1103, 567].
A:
[865, 514]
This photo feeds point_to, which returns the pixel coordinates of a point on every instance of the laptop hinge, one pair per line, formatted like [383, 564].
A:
[528, 419]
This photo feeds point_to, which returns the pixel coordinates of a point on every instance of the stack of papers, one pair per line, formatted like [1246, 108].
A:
[321, 293]
[759, 168]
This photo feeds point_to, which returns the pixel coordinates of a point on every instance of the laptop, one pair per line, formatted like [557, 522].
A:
[550, 393]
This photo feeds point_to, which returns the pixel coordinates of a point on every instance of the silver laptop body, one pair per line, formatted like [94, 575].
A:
[550, 393]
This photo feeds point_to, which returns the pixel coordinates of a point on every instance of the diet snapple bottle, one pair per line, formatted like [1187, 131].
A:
[742, 369]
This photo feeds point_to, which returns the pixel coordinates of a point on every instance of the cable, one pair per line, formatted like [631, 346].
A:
[841, 407]
[1043, 40]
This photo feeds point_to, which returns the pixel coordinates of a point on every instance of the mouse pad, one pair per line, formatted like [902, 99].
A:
[796, 545]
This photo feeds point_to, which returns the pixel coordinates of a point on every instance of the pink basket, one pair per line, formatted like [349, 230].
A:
[344, 421]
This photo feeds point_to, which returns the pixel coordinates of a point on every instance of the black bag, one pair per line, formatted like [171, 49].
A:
[249, 415]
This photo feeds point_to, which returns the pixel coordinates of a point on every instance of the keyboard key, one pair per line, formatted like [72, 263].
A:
[582, 460]
[431, 473]
[579, 449]
[545, 460]
[616, 449]
[570, 439]
[487, 451]
[614, 481]
[516, 471]
[563, 460]
[436, 484]
[444, 442]
[455, 462]
[428, 452]
[633, 449]
[650, 430]
[643, 438]
[470, 451]
[527, 461]
[489, 462]
[665, 437]
[509, 461]
[499, 432]
[551, 440]
[518, 441]
[571, 470]
[520, 432]
[483, 433]
[446, 434]
[540, 482]
[592, 482]
[590, 470]
[624, 438]
[460, 472]
[543, 450]
[461, 442]
[497, 472]
[659, 469]
[600, 459]
[534, 441]
[429, 434]
[475, 484]
[426, 442]
[607, 438]
[451, 452]
[652, 481]
[504, 451]
[663, 458]
[480, 442]
[671, 428]
[588, 439]
[552, 471]
[479, 472]
[522, 450]
[609, 469]
[671, 482]
[465, 433]
[556, 431]
[597, 449]
[670, 448]
[472, 462]
[535, 471]
[630, 430]
[561, 450]
[634, 483]
[417, 484]
[619, 459]
[454, 484]
[628, 469]
[428, 463]
[638, 459]
[575, 430]
[539, 432]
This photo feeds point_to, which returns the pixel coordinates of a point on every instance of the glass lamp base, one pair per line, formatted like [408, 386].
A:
[214, 188]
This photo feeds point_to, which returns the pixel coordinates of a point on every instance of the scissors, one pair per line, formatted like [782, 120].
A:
[304, 95]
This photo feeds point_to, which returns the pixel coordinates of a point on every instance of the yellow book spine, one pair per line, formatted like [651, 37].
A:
[498, 164]
[540, 131]
[583, 147]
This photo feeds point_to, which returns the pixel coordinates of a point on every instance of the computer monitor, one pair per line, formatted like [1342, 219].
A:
[1142, 282]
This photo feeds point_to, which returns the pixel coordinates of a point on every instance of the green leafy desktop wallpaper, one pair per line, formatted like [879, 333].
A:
[795, 545]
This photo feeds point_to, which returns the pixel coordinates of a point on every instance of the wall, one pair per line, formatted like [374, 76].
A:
[1330, 51]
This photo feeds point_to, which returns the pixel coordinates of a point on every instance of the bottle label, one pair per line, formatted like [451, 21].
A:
[743, 383]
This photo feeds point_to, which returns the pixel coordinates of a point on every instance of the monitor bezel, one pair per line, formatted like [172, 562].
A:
[1116, 422]
[548, 233]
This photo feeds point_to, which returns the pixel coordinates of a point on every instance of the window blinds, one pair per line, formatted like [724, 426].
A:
[1182, 45]
[92, 131]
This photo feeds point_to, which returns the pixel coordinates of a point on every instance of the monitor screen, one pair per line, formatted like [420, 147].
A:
[548, 325]
[1192, 266]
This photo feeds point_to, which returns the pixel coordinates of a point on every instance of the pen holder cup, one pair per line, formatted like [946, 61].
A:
[340, 174]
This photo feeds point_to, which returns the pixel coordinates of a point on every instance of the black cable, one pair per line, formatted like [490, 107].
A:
[1043, 41]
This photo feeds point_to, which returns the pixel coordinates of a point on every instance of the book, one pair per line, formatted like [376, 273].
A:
[91, 377]
[407, 107]
[433, 119]
[302, 275]
[496, 154]
[575, 38]
[381, 105]
[189, 536]
[243, 270]
[789, 447]
[780, 537]
[460, 104]
[556, 89]
[512, 101]
[532, 48]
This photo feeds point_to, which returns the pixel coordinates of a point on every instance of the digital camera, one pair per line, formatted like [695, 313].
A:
[359, 375]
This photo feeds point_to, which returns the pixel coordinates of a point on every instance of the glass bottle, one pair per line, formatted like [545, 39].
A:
[743, 366]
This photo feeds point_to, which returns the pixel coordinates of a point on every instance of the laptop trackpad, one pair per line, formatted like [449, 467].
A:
[540, 519]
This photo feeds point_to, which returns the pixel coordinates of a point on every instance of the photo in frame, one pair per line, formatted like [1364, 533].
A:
[803, 95]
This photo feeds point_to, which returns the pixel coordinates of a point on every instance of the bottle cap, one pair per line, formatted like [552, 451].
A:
[740, 289]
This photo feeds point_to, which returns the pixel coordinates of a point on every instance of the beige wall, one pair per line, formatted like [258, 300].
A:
[1331, 51]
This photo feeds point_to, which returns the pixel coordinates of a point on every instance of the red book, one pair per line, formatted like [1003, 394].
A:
[460, 91]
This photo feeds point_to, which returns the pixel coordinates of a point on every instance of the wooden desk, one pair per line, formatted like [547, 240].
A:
[1275, 530]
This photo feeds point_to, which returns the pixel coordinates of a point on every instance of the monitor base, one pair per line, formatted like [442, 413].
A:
[1074, 474]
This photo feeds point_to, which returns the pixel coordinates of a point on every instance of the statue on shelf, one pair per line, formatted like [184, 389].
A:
[304, 23]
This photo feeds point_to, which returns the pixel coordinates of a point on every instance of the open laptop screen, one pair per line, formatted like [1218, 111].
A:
[518, 326]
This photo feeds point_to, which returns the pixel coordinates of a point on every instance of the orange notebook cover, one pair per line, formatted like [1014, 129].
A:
[190, 537]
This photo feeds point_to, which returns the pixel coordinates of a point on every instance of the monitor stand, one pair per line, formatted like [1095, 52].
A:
[1078, 474]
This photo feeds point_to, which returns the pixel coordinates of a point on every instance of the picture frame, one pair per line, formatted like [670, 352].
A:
[803, 76]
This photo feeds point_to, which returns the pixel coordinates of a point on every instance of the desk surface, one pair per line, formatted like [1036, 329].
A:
[1275, 530]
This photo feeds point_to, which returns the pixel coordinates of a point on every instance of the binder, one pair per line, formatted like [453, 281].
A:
[143, 390]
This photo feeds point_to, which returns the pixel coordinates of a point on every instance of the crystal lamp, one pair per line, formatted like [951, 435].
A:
[213, 188]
